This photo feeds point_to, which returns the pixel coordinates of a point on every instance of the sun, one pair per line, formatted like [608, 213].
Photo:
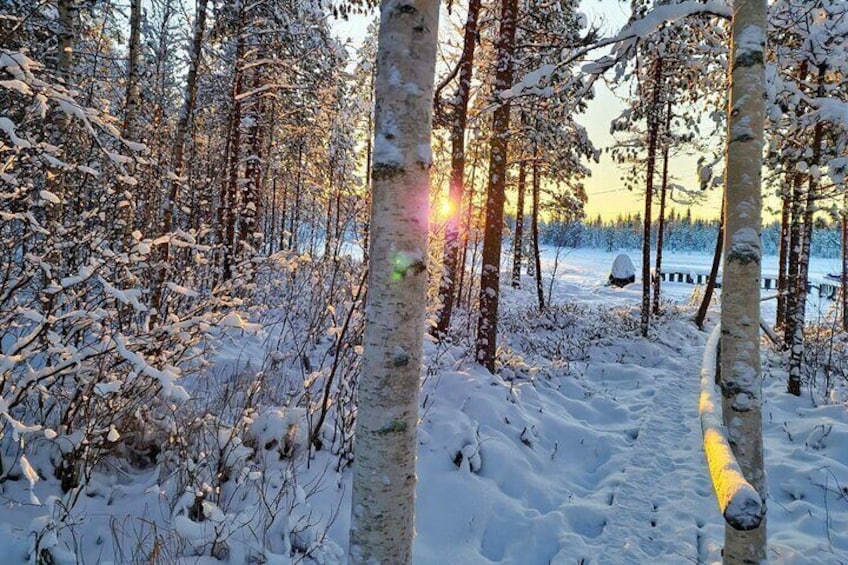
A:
[442, 208]
[445, 207]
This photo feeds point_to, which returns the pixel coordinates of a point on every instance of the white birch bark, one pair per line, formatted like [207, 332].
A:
[132, 101]
[741, 379]
[384, 464]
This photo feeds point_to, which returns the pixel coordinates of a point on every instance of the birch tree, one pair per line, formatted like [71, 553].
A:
[741, 379]
[384, 467]
[132, 100]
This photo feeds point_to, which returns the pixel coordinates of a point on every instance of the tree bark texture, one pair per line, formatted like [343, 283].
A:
[796, 350]
[384, 466]
[653, 134]
[793, 257]
[741, 377]
[487, 323]
[447, 289]
[132, 101]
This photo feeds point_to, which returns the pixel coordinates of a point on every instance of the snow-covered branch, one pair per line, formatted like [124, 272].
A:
[740, 504]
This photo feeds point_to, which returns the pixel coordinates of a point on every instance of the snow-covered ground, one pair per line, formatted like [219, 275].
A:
[598, 459]
[586, 448]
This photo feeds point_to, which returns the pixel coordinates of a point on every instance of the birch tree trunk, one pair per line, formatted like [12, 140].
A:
[384, 467]
[741, 378]
[793, 258]
[132, 102]
[487, 323]
[783, 257]
[844, 289]
[447, 289]
[67, 12]
[66, 36]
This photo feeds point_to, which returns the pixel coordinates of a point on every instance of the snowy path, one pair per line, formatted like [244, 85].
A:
[664, 500]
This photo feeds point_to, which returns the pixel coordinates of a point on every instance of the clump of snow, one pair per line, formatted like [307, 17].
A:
[233, 320]
[622, 267]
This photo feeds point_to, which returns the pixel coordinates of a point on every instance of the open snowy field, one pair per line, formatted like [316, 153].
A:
[586, 448]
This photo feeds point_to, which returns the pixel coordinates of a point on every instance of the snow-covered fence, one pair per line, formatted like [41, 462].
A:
[740, 504]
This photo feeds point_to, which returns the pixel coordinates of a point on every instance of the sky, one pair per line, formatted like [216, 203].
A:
[605, 189]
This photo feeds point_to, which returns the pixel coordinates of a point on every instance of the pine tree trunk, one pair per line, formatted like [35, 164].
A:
[741, 378]
[447, 288]
[796, 350]
[384, 466]
[711, 282]
[653, 134]
[661, 218]
[534, 228]
[518, 236]
[794, 240]
[487, 323]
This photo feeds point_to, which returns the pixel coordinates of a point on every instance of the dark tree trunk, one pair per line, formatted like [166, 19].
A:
[295, 212]
[518, 236]
[711, 282]
[447, 288]
[534, 227]
[796, 351]
[794, 243]
[466, 228]
[783, 256]
[661, 218]
[487, 326]
[653, 134]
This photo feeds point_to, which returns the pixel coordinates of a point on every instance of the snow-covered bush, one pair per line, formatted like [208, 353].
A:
[824, 369]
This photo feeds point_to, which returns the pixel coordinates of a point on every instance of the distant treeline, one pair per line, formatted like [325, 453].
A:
[682, 233]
